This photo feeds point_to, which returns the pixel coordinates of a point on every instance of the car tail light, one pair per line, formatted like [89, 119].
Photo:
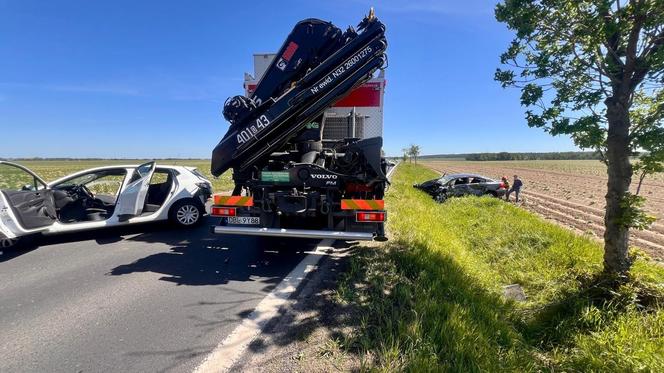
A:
[223, 211]
[370, 216]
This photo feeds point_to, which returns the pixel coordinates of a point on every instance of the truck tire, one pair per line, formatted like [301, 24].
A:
[186, 213]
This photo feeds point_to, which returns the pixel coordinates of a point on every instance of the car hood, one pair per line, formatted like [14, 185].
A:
[428, 183]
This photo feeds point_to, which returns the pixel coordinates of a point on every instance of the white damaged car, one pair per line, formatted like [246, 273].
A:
[97, 198]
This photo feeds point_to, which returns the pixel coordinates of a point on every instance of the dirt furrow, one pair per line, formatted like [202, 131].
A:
[573, 200]
[652, 248]
[656, 227]
[596, 220]
[595, 177]
[575, 187]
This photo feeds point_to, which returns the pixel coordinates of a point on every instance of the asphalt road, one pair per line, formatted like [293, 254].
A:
[138, 299]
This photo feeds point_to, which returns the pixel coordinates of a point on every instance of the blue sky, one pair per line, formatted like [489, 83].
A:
[146, 79]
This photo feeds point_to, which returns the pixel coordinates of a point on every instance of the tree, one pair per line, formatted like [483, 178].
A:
[503, 156]
[414, 151]
[593, 70]
[406, 152]
[648, 164]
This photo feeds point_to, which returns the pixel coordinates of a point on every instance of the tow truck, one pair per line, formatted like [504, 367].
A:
[291, 180]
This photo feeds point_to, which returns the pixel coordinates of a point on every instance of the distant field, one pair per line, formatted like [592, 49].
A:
[571, 192]
[581, 167]
[51, 170]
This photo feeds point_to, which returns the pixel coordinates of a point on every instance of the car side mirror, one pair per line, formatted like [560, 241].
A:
[28, 188]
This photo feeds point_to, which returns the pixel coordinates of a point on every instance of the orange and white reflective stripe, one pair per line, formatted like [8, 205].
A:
[362, 204]
[233, 200]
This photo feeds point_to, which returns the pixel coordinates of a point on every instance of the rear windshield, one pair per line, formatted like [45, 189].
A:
[198, 173]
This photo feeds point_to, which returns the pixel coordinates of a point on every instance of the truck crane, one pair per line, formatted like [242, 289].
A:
[289, 181]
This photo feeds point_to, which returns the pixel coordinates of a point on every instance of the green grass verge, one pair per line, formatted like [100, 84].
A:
[432, 298]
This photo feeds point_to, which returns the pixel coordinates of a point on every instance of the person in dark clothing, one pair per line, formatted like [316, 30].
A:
[516, 188]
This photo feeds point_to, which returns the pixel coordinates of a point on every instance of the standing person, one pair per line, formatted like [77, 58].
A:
[516, 188]
[506, 185]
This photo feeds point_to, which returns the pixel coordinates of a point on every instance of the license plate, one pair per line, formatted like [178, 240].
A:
[244, 220]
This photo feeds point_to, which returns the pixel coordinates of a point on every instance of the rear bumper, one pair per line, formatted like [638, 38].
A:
[295, 233]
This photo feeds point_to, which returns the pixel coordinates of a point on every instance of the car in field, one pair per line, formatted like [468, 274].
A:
[455, 185]
[99, 197]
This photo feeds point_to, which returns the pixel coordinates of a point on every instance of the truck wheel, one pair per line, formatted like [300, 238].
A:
[186, 213]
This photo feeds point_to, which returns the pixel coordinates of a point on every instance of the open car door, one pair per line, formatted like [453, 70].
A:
[26, 204]
[132, 197]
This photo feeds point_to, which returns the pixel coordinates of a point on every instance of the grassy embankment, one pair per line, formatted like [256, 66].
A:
[431, 299]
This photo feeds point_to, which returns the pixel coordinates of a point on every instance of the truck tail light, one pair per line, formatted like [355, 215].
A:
[355, 187]
[370, 216]
[223, 211]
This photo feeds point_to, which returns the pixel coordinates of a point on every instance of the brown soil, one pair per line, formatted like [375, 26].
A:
[574, 200]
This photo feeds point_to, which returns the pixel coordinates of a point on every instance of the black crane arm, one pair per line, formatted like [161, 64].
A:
[316, 66]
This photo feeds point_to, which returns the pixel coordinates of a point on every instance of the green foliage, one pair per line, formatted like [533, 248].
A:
[414, 151]
[593, 70]
[506, 156]
[406, 154]
[633, 215]
[649, 164]
[431, 299]
[570, 57]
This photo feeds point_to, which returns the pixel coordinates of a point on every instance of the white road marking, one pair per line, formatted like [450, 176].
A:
[222, 358]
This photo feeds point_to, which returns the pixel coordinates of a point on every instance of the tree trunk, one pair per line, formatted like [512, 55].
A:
[641, 178]
[616, 235]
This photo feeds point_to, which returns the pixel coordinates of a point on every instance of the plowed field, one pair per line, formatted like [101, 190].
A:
[571, 193]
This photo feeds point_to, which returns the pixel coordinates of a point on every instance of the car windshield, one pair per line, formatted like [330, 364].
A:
[446, 179]
[81, 180]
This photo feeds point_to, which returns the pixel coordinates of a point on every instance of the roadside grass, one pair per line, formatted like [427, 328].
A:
[431, 299]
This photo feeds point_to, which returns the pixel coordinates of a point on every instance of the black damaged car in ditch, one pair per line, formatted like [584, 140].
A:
[457, 185]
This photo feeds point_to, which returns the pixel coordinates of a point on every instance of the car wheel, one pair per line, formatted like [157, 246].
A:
[186, 213]
[440, 197]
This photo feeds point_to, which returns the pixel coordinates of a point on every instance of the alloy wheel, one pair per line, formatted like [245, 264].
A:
[187, 214]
